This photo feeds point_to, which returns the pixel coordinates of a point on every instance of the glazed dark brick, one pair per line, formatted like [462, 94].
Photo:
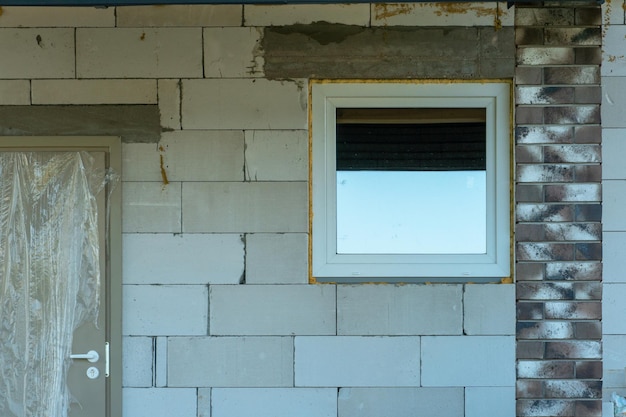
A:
[572, 153]
[542, 369]
[530, 271]
[588, 212]
[572, 231]
[543, 134]
[590, 290]
[529, 36]
[588, 16]
[529, 388]
[536, 251]
[573, 389]
[540, 16]
[544, 95]
[588, 134]
[588, 173]
[544, 330]
[573, 271]
[529, 115]
[545, 408]
[589, 408]
[541, 55]
[572, 75]
[588, 330]
[530, 349]
[528, 193]
[573, 310]
[544, 212]
[544, 173]
[590, 192]
[588, 95]
[528, 76]
[545, 290]
[589, 251]
[589, 370]
[529, 232]
[529, 311]
[529, 154]
[590, 36]
[582, 114]
[588, 55]
[579, 349]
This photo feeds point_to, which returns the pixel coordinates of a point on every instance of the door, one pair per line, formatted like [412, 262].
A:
[60, 278]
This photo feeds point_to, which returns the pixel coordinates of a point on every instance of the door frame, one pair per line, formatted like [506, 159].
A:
[112, 146]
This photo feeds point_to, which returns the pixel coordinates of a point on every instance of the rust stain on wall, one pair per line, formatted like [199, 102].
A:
[446, 9]
[385, 11]
[162, 166]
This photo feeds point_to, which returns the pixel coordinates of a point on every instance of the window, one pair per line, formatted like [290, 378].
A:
[410, 180]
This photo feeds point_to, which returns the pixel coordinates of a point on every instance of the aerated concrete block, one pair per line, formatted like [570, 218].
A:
[159, 402]
[151, 207]
[230, 361]
[165, 310]
[277, 155]
[244, 104]
[399, 309]
[240, 207]
[613, 309]
[37, 53]
[58, 16]
[94, 92]
[352, 361]
[272, 310]
[233, 52]
[483, 316]
[137, 361]
[183, 259]
[461, 361]
[179, 15]
[376, 402]
[274, 402]
[138, 52]
[613, 262]
[613, 219]
[203, 155]
[490, 401]
[14, 92]
[291, 14]
[277, 258]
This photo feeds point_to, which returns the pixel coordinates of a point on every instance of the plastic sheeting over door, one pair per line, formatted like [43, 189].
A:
[49, 274]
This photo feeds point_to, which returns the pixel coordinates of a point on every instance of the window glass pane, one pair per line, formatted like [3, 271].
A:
[411, 181]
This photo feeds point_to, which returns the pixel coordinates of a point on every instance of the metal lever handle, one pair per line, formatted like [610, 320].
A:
[91, 356]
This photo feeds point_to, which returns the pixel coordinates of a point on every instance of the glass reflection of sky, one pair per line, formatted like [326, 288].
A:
[411, 212]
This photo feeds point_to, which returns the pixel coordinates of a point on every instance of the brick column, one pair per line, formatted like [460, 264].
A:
[558, 209]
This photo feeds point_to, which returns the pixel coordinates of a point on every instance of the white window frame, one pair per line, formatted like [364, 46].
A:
[329, 95]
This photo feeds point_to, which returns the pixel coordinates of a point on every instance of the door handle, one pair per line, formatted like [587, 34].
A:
[91, 356]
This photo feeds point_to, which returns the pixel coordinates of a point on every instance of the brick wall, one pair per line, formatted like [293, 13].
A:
[558, 214]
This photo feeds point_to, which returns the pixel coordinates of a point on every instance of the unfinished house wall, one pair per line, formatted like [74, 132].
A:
[614, 190]
[212, 105]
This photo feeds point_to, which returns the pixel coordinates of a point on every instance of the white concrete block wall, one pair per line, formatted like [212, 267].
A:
[94, 92]
[614, 187]
[219, 317]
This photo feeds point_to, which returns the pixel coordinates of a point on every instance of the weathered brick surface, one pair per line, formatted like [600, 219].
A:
[558, 209]
[530, 350]
[542, 369]
[572, 75]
